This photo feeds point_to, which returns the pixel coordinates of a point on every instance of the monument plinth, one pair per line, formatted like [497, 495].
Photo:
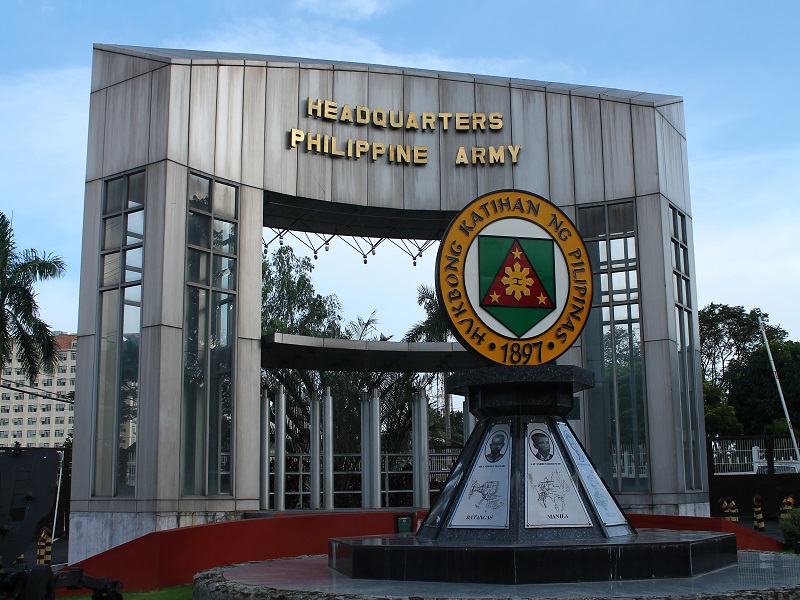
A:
[524, 502]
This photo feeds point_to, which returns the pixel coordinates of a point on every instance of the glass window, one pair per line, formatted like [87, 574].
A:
[209, 336]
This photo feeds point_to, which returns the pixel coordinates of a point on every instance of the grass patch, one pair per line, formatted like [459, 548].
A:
[179, 592]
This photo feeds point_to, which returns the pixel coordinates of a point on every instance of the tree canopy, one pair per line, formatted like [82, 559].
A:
[727, 334]
[20, 322]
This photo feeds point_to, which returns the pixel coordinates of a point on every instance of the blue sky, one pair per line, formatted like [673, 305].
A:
[735, 64]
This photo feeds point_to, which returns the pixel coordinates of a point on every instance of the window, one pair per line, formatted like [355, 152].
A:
[613, 348]
[62, 369]
[209, 336]
[16, 434]
[59, 420]
[122, 253]
[71, 420]
[32, 408]
[31, 433]
[62, 356]
[61, 382]
[47, 382]
[19, 372]
[72, 382]
[6, 372]
[3, 435]
[18, 408]
[3, 422]
[58, 433]
[16, 421]
[46, 407]
[45, 433]
[44, 420]
[31, 420]
[684, 327]
[59, 407]
[72, 368]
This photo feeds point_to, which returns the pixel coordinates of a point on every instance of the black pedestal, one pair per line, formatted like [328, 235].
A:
[524, 503]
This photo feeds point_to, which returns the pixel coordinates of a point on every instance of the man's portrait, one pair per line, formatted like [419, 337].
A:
[541, 445]
[496, 447]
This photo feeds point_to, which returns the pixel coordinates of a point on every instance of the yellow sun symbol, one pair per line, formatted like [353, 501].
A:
[517, 281]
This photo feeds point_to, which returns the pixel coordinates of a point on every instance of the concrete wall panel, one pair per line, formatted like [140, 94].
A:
[126, 142]
[314, 171]
[90, 258]
[655, 269]
[497, 176]
[670, 162]
[159, 115]
[247, 457]
[617, 150]
[421, 184]
[251, 203]
[202, 118]
[350, 174]
[645, 152]
[254, 115]
[280, 164]
[83, 435]
[97, 125]
[529, 131]
[230, 101]
[384, 178]
[559, 142]
[179, 94]
[110, 68]
[459, 182]
[587, 150]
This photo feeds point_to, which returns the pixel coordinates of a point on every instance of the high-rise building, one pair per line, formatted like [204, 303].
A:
[39, 414]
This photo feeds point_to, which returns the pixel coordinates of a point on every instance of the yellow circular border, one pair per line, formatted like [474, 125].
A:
[451, 290]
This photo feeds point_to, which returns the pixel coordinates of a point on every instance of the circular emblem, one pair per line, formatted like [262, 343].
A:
[514, 278]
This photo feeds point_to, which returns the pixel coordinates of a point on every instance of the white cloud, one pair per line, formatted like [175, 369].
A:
[345, 9]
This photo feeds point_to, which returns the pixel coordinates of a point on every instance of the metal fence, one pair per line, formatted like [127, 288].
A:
[396, 478]
[628, 467]
[742, 455]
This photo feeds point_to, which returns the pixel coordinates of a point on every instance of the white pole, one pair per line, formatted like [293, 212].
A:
[780, 391]
[327, 449]
[315, 451]
[58, 491]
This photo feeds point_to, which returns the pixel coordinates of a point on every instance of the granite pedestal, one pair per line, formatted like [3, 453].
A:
[524, 503]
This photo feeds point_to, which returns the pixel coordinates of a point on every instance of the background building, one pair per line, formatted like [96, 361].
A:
[39, 414]
[192, 153]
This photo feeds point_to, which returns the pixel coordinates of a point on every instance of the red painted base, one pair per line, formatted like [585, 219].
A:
[174, 556]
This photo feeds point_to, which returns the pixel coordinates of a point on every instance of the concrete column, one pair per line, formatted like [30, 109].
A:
[469, 420]
[263, 488]
[375, 447]
[366, 456]
[280, 449]
[315, 451]
[327, 449]
[419, 449]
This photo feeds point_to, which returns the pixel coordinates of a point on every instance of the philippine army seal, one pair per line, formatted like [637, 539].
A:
[514, 278]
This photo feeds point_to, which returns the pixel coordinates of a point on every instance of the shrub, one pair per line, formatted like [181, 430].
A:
[790, 528]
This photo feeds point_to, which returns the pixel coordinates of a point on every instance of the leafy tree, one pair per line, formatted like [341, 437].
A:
[19, 313]
[752, 391]
[433, 328]
[727, 334]
[720, 416]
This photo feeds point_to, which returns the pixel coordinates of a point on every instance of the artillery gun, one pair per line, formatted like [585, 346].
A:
[27, 493]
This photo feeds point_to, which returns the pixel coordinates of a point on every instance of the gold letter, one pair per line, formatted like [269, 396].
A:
[462, 121]
[396, 123]
[347, 114]
[495, 121]
[295, 137]
[445, 117]
[361, 147]
[420, 155]
[378, 149]
[362, 115]
[461, 157]
[314, 141]
[334, 151]
[513, 151]
[379, 117]
[404, 154]
[497, 155]
[330, 110]
[428, 121]
[479, 121]
[314, 108]
[411, 122]
[478, 154]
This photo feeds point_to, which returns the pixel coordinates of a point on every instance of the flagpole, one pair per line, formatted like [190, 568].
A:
[778, 383]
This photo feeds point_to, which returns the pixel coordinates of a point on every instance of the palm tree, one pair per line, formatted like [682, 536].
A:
[433, 328]
[20, 323]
